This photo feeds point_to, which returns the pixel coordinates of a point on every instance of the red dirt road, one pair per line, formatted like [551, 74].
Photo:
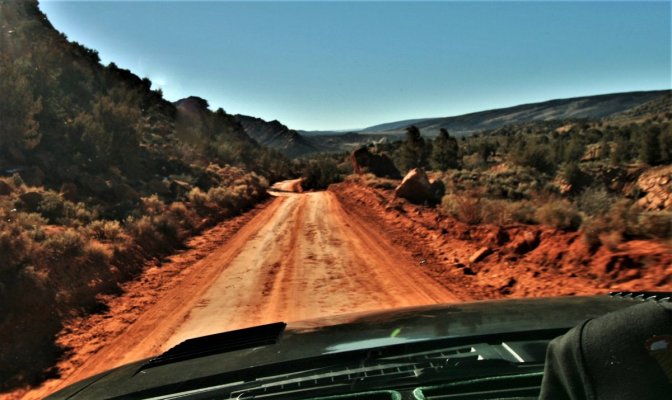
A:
[302, 256]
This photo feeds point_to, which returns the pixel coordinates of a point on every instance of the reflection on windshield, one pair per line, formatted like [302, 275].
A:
[371, 343]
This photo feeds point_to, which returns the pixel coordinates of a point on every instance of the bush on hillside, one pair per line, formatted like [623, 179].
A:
[560, 214]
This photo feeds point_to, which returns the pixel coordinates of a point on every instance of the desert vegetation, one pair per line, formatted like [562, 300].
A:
[572, 175]
[99, 175]
[319, 172]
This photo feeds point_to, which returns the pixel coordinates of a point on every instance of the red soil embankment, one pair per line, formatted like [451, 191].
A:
[517, 260]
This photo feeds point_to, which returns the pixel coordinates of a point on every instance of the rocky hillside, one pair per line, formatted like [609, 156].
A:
[98, 175]
[67, 119]
[277, 136]
[590, 107]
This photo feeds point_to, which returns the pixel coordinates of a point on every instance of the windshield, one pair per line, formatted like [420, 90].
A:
[173, 170]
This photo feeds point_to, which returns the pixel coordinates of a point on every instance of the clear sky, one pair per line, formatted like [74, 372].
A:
[341, 65]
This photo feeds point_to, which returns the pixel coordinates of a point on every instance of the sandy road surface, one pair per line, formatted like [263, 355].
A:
[303, 256]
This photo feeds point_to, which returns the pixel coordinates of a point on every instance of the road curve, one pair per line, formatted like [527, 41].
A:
[302, 257]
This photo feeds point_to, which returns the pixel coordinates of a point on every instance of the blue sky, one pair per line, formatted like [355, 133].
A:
[341, 65]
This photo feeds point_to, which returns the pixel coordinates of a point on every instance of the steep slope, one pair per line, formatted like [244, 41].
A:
[98, 174]
[590, 107]
[277, 136]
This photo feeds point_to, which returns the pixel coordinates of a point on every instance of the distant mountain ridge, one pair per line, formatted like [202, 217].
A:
[277, 136]
[589, 107]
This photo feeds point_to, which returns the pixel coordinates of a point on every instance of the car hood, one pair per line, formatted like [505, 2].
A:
[348, 333]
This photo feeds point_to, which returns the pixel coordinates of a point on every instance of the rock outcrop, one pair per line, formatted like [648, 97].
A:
[417, 188]
[657, 184]
[380, 165]
[275, 135]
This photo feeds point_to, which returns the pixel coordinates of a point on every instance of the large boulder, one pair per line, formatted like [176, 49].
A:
[417, 188]
[378, 164]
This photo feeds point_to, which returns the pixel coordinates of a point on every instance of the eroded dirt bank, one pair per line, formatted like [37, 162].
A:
[297, 257]
[510, 261]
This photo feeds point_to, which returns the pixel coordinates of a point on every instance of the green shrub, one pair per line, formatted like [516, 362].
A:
[17, 181]
[84, 214]
[97, 254]
[108, 231]
[627, 220]
[523, 212]
[184, 216]
[537, 157]
[51, 207]
[153, 205]
[169, 231]
[560, 214]
[653, 225]
[320, 173]
[24, 221]
[575, 177]
[223, 197]
[64, 245]
[595, 201]
[16, 248]
[197, 198]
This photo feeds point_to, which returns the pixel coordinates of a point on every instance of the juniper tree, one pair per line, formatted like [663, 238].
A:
[445, 151]
[413, 152]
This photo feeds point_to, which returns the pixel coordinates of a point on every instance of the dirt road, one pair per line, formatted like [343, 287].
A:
[303, 256]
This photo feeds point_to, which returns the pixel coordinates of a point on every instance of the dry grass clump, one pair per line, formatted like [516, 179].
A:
[473, 209]
[511, 182]
[626, 221]
[468, 209]
[375, 182]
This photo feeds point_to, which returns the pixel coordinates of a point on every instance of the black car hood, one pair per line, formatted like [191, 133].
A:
[343, 334]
